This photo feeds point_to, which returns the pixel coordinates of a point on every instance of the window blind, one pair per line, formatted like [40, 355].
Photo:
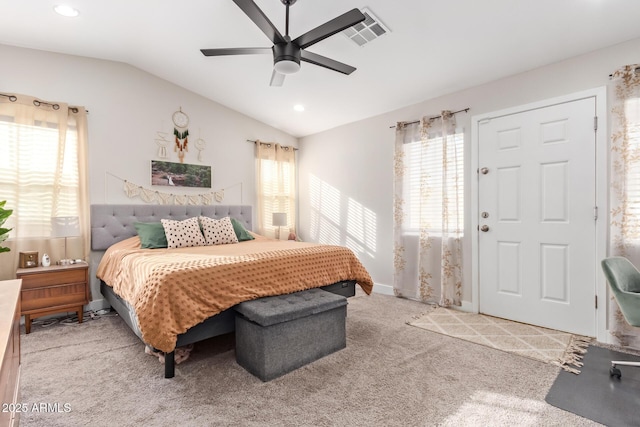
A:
[424, 203]
[276, 189]
[38, 175]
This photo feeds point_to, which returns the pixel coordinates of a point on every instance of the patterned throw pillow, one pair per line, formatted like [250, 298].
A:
[218, 231]
[183, 234]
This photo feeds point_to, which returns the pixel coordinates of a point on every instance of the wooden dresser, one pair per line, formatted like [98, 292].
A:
[54, 289]
[9, 351]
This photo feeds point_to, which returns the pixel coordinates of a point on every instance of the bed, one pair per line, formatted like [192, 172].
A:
[251, 266]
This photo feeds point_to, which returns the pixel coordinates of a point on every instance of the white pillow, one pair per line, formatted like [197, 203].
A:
[218, 231]
[183, 234]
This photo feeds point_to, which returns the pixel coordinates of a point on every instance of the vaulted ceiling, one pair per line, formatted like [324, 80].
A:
[433, 47]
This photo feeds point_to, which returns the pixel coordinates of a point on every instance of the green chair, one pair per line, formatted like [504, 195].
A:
[624, 281]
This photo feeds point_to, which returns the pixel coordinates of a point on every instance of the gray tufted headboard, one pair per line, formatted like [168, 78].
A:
[113, 223]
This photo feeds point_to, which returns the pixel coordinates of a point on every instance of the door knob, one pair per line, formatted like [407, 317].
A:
[484, 171]
[484, 228]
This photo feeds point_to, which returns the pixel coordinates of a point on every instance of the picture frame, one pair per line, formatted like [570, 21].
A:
[180, 174]
[28, 259]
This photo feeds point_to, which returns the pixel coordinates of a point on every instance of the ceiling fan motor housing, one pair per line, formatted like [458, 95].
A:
[286, 52]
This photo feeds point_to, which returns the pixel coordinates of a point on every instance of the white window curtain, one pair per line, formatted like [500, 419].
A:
[43, 174]
[624, 227]
[428, 210]
[275, 187]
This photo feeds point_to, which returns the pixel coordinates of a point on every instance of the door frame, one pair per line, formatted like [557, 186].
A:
[602, 197]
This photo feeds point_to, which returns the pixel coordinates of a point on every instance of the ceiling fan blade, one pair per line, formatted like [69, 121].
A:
[276, 79]
[323, 61]
[330, 28]
[260, 19]
[236, 51]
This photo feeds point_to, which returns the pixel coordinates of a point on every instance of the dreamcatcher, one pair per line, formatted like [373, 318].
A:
[181, 133]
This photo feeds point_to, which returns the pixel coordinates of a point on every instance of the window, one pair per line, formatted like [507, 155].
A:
[276, 179]
[424, 203]
[275, 176]
[39, 175]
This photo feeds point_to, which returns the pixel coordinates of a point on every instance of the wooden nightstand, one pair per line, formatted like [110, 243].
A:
[54, 289]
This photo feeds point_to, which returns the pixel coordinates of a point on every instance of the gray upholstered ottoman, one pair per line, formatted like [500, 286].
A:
[275, 335]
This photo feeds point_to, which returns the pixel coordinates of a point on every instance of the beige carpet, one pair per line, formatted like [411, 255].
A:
[546, 345]
[390, 374]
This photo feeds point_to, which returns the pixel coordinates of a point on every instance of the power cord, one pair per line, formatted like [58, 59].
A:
[73, 318]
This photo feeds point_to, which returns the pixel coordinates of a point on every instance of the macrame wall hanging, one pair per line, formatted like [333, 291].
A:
[200, 144]
[162, 141]
[133, 190]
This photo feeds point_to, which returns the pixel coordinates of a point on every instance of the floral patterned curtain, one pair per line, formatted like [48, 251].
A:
[625, 179]
[428, 223]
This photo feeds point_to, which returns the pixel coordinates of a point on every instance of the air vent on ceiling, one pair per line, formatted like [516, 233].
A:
[366, 31]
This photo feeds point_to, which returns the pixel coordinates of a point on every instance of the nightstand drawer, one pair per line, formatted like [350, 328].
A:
[52, 296]
[30, 281]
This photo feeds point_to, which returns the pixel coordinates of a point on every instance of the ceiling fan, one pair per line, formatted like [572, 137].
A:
[288, 53]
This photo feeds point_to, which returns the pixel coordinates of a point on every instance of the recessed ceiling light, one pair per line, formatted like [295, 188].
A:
[66, 10]
[298, 107]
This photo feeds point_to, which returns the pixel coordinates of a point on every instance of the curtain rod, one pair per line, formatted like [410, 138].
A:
[37, 103]
[255, 142]
[431, 118]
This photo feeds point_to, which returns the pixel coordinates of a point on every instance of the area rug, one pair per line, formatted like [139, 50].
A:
[546, 345]
[595, 395]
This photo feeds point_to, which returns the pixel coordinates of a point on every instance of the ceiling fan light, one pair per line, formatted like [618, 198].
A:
[287, 66]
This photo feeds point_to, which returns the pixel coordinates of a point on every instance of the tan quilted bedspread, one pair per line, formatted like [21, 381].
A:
[172, 290]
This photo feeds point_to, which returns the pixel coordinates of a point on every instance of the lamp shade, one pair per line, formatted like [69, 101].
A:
[65, 226]
[279, 219]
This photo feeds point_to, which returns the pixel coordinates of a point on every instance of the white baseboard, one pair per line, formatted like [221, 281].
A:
[466, 307]
[96, 305]
[378, 288]
[383, 289]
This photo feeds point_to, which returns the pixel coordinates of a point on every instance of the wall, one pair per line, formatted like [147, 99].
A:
[127, 107]
[352, 165]
[348, 171]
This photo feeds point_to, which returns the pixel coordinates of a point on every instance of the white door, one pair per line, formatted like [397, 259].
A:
[536, 216]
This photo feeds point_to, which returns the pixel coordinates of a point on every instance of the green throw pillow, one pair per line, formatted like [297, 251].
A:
[241, 232]
[151, 235]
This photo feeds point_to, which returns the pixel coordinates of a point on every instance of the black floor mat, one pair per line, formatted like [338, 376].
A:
[595, 395]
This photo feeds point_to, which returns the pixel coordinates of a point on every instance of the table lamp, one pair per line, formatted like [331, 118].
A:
[65, 226]
[279, 220]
